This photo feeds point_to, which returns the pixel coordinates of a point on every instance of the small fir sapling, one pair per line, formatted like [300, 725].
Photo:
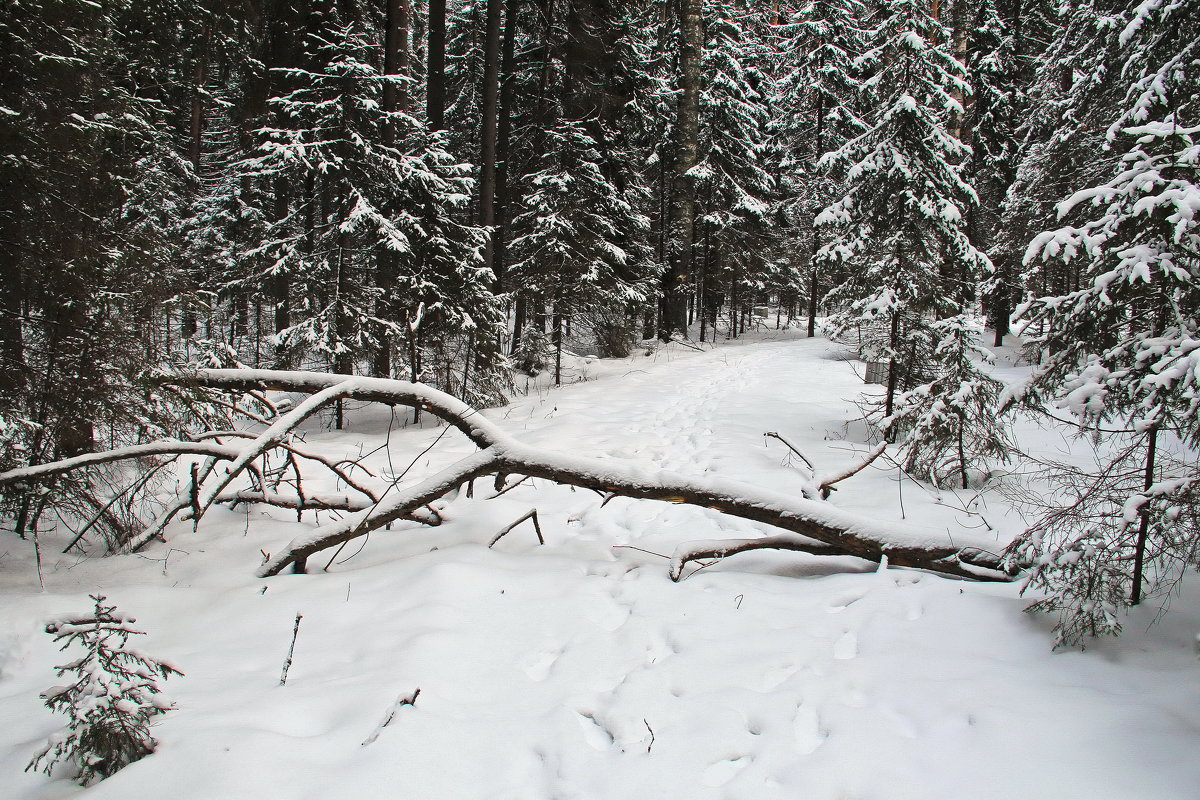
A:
[949, 425]
[111, 701]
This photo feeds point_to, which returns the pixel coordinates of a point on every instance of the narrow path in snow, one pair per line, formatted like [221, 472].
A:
[694, 412]
[578, 669]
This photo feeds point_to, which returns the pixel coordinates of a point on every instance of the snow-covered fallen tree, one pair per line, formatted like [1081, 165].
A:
[812, 525]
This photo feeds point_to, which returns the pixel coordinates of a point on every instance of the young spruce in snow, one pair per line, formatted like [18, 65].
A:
[1123, 350]
[112, 699]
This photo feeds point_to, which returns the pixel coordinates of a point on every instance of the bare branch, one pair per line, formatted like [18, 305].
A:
[812, 470]
[166, 447]
[531, 514]
[827, 481]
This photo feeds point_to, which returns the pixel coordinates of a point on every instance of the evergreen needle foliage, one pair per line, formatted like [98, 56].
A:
[111, 700]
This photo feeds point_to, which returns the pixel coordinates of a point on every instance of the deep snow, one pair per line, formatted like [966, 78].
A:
[577, 669]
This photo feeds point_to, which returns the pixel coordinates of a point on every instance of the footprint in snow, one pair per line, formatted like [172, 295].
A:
[776, 676]
[538, 666]
[903, 724]
[596, 735]
[723, 772]
[807, 730]
[843, 601]
[609, 616]
[846, 647]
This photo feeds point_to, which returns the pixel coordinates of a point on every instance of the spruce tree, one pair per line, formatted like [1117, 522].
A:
[817, 93]
[949, 425]
[356, 194]
[735, 177]
[1123, 350]
[578, 237]
[111, 701]
[899, 230]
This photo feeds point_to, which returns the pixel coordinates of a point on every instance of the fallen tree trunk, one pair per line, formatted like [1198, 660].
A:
[817, 526]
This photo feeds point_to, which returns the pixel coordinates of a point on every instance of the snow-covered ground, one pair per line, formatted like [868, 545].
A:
[577, 669]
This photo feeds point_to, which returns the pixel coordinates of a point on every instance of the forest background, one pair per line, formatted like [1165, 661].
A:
[446, 192]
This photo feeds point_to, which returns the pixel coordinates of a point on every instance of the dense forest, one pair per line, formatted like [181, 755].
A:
[557, 304]
[453, 193]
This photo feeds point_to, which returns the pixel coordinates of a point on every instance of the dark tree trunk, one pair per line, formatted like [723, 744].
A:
[13, 369]
[672, 314]
[395, 98]
[503, 142]
[199, 79]
[1139, 556]
[491, 99]
[519, 316]
[893, 366]
[557, 337]
[435, 73]
[818, 151]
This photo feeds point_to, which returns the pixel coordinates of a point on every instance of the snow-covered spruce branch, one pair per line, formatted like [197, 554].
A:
[835, 530]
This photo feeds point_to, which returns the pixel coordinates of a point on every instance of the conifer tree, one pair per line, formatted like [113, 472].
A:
[949, 424]
[735, 177]
[1123, 350]
[111, 701]
[579, 237]
[817, 94]
[900, 227]
[364, 194]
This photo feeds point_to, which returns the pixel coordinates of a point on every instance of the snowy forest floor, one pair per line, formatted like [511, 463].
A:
[577, 669]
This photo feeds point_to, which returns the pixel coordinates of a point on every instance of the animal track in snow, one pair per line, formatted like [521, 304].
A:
[775, 677]
[843, 601]
[846, 647]
[538, 665]
[723, 772]
[807, 730]
[595, 734]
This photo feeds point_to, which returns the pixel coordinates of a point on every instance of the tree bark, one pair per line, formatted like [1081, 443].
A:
[673, 310]
[503, 141]
[395, 98]
[435, 73]
[1135, 594]
[491, 99]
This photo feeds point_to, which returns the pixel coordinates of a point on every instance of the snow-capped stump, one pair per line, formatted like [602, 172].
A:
[111, 700]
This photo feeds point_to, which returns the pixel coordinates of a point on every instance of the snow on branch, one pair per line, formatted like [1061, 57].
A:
[811, 524]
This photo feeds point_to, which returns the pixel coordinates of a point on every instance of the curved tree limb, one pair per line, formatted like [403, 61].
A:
[826, 482]
[816, 526]
[166, 447]
[698, 551]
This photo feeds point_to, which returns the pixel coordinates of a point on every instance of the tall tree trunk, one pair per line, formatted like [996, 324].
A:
[13, 369]
[672, 315]
[503, 142]
[491, 98]
[893, 371]
[818, 151]
[960, 24]
[395, 98]
[279, 288]
[435, 73]
[199, 79]
[557, 338]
